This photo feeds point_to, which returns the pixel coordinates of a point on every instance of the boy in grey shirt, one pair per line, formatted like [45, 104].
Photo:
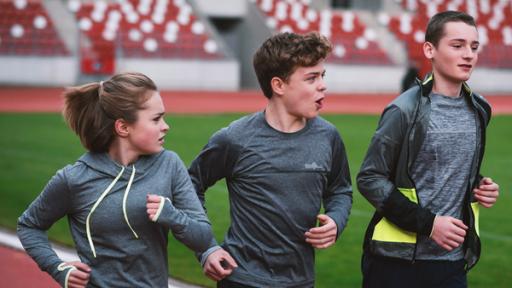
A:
[422, 170]
[280, 166]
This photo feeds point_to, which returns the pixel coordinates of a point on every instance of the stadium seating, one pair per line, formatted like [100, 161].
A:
[26, 29]
[140, 29]
[353, 42]
[493, 17]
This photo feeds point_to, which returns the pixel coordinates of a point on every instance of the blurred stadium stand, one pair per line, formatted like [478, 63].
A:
[353, 42]
[27, 29]
[208, 45]
[160, 29]
[31, 51]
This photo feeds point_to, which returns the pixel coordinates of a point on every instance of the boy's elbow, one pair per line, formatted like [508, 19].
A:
[373, 190]
[22, 228]
[198, 239]
[200, 243]
[22, 224]
[363, 182]
[206, 241]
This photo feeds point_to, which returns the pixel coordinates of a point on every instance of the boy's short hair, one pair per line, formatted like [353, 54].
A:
[435, 27]
[281, 54]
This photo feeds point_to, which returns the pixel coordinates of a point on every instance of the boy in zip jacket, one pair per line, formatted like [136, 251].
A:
[122, 197]
[422, 170]
[280, 166]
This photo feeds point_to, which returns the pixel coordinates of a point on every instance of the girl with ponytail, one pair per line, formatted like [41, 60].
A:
[122, 196]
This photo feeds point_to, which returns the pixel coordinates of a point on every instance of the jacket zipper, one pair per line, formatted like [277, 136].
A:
[413, 260]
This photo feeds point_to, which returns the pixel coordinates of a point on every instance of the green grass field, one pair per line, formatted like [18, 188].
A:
[34, 146]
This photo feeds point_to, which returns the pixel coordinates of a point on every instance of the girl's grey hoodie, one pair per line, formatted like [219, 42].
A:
[106, 208]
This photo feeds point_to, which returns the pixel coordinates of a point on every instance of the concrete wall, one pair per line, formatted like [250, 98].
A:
[31, 70]
[168, 74]
[366, 5]
[252, 32]
[350, 78]
[486, 80]
[64, 23]
[223, 8]
[242, 28]
[382, 79]
[370, 79]
[187, 74]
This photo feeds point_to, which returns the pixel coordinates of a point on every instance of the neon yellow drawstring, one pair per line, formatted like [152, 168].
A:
[125, 197]
[87, 225]
[124, 201]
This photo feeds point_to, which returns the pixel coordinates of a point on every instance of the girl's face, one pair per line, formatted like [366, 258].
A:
[146, 135]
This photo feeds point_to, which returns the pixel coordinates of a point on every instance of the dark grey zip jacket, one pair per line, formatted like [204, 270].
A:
[105, 204]
[385, 176]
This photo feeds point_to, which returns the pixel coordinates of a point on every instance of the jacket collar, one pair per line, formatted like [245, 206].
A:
[428, 83]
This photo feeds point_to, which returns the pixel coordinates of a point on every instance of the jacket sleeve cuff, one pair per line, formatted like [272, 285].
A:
[339, 228]
[432, 230]
[159, 211]
[428, 224]
[62, 273]
[168, 216]
[207, 253]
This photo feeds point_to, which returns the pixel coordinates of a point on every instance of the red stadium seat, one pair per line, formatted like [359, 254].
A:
[32, 41]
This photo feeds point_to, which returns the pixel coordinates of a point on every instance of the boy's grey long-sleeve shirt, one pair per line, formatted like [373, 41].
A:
[106, 208]
[277, 183]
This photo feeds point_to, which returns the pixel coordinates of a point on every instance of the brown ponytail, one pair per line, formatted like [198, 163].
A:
[92, 109]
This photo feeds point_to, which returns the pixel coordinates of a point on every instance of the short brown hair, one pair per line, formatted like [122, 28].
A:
[91, 110]
[281, 54]
[435, 27]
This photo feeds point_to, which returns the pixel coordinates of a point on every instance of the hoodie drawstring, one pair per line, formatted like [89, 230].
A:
[124, 202]
[87, 223]
[63, 266]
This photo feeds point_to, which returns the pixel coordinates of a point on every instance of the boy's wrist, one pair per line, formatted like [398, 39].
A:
[207, 253]
[433, 225]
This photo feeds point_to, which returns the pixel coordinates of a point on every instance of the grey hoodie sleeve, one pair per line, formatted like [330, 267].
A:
[338, 197]
[183, 215]
[51, 205]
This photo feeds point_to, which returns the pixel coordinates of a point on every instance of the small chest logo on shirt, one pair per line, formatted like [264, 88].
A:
[312, 166]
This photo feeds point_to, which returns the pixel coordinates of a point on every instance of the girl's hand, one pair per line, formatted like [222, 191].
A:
[152, 205]
[79, 277]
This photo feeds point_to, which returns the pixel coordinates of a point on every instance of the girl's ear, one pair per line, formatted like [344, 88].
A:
[277, 85]
[429, 50]
[121, 128]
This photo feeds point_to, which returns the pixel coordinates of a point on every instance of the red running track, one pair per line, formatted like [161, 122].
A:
[23, 99]
[28, 276]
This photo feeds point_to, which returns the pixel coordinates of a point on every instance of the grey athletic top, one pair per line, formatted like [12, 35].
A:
[106, 208]
[442, 168]
[277, 183]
